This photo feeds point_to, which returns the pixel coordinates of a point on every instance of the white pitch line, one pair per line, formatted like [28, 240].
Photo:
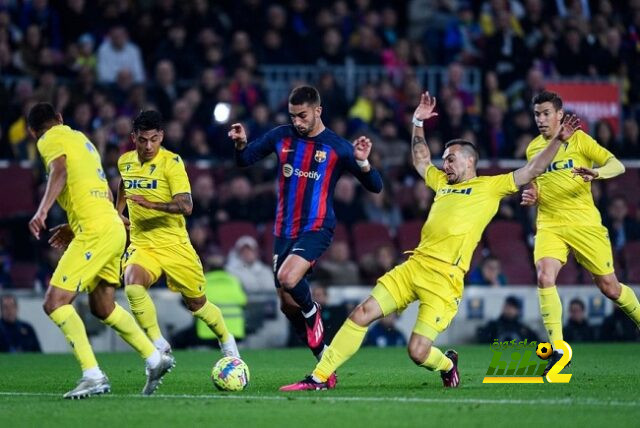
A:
[309, 396]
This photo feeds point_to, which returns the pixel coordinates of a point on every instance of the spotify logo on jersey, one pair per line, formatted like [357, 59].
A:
[287, 170]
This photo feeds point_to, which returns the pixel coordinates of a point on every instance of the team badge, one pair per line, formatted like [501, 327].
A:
[320, 156]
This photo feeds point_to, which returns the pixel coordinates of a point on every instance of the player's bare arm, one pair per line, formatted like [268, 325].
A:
[612, 168]
[238, 135]
[180, 204]
[55, 184]
[539, 164]
[361, 150]
[419, 149]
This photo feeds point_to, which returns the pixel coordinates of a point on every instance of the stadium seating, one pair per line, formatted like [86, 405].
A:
[368, 236]
[505, 240]
[408, 235]
[23, 274]
[228, 233]
[630, 256]
[17, 198]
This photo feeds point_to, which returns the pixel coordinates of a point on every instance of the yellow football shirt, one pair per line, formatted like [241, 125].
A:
[158, 180]
[565, 199]
[459, 214]
[86, 195]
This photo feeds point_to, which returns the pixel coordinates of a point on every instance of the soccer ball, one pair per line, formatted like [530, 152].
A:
[544, 350]
[230, 374]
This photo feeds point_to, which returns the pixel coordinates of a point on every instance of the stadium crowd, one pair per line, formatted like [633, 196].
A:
[185, 58]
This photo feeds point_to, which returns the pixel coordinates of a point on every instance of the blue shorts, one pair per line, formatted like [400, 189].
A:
[308, 245]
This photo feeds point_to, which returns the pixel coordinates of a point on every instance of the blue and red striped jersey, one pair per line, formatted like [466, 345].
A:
[308, 169]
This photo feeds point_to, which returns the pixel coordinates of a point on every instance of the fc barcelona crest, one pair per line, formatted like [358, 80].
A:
[320, 156]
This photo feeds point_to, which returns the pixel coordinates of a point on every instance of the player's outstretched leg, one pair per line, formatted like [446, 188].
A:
[292, 311]
[211, 315]
[344, 345]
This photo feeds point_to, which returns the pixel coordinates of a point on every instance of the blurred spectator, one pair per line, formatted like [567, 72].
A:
[385, 334]
[117, 53]
[617, 327]
[630, 138]
[346, 204]
[337, 268]
[488, 273]
[507, 326]
[577, 328]
[5, 269]
[245, 264]
[604, 135]
[176, 49]
[622, 228]
[165, 91]
[419, 205]
[379, 208]
[241, 205]
[373, 266]
[15, 335]
[224, 290]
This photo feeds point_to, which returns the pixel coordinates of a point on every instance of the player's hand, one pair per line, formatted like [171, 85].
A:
[125, 221]
[425, 109]
[569, 125]
[587, 174]
[529, 197]
[62, 236]
[238, 135]
[362, 148]
[140, 200]
[37, 223]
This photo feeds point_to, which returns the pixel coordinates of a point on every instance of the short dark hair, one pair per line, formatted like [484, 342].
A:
[548, 96]
[39, 115]
[578, 302]
[147, 120]
[467, 146]
[304, 95]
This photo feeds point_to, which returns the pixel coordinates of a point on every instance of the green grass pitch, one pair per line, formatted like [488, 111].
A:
[378, 387]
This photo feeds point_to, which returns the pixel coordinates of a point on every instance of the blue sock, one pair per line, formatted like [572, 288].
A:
[302, 295]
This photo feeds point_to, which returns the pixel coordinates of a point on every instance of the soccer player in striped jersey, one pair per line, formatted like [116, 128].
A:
[311, 159]
[434, 273]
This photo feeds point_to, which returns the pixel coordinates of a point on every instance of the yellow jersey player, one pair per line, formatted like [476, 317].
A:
[90, 262]
[433, 275]
[568, 218]
[156, 190]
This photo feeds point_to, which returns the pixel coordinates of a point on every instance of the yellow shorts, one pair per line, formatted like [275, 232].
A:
[436, 284]
[180, 263]
[91, 258]
[590, 245]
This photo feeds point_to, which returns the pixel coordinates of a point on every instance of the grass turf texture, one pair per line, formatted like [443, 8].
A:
[378, 387]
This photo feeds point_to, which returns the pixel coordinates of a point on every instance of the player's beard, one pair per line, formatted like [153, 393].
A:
[305, 131]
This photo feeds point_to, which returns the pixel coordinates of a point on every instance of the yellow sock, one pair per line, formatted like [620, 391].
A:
[212, 316]
[71, 325]
[124, 324]
[346, 343]
[437, 361]
[144, 310]
[628, 302]
[551, 311]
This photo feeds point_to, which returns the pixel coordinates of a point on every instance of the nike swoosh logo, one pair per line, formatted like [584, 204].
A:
[297, 249]
[287, 150]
